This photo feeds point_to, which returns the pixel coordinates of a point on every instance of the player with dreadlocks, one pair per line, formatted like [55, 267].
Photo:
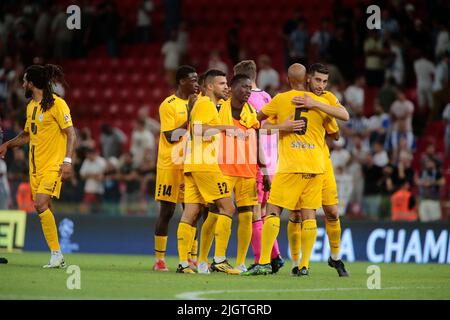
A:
[50, 133]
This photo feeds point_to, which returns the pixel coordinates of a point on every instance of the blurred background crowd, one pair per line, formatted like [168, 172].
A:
[120, 66]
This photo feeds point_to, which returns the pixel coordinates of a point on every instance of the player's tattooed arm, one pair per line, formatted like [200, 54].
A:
[173, 136]
[290, 125]
[65, 169]
[21, 139]
[338, 111]
[71, 141]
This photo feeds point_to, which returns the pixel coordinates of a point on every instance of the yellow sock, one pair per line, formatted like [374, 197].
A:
[222, 235]
[192, 252]
[160, 246]
[270, 230]
[334, 236]
[207, 236]
[309, 234]
[244, 236]
[294, 231]
[49, 228]
[184, 236]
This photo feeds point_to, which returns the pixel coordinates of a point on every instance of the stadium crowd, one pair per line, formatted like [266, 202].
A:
[373, 159]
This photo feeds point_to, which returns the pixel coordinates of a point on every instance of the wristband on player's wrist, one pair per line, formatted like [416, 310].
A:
[67, 160]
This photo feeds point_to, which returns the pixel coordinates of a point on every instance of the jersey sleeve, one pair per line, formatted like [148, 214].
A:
[331, 126]
[331, 98]
[271, 109]
[61, 113]
[206, 113]
[167, 117]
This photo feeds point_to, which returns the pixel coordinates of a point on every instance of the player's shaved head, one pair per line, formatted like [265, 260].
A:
[296, 73]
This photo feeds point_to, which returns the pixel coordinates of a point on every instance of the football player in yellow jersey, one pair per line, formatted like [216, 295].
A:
[173, 113]
[329, 190]
[49, 131]
[204, 181]
[238, 162]
[297, 184]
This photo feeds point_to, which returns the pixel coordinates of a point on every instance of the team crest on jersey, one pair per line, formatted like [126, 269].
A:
[41, 117]
[66, 118]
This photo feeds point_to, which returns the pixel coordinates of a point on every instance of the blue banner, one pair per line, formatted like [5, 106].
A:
[375, 242]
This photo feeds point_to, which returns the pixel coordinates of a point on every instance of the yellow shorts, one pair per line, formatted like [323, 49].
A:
[244, 189]
[169, 185]
[205, 187]
[329, 189]
[295, 191]
[46, 183]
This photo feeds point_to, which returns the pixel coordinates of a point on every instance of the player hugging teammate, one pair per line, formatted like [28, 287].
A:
[213, 149]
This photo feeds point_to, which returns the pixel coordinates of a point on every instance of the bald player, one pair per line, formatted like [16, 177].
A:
[298, 180]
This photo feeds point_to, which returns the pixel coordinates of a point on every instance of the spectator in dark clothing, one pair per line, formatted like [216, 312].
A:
[111, 197]
[130, 176]
[430, 183]
[387, 94]
[233, 42]
[372, 189]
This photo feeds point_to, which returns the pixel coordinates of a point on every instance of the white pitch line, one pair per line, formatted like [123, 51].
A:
[197, 295]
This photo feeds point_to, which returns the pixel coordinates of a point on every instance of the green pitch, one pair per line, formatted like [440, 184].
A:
[131, 277]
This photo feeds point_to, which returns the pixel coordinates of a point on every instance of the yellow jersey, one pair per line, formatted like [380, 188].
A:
[202, 152]
[48, 142]
[173, 113]
[331, 126]
[299, 152]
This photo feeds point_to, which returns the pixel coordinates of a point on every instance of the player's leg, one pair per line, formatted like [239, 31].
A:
[294, 232]
[332, 223]
[257, 221]
[168, 193]
[308, 237]
[257, 224]
[48, 223]
[333, 228]
[244, 235]
[166, 212]
[311, 200]
[207, 237]
[222, 236]
[43, 189]
[185, 235]
[246, 198]
[284, 193]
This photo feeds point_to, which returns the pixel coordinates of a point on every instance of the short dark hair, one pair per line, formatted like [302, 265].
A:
[212, 73]
[183, 72]
[201, 79]
[318, 67]
[237, 78]
[247, 67]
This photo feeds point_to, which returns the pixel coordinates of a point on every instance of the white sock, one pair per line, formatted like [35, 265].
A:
[335, 257]
[184, 264]
[219, 259]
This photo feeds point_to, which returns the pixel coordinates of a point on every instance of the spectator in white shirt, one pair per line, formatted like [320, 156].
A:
[141, 140]
[380, 156]
[442, 42]
[441, 73]
[215, 62]
[171, 51]
[92, 171]
[354, 94]
[268, 78]
[144, 20]
[402, 109]
[424, 70]
[339, 156]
